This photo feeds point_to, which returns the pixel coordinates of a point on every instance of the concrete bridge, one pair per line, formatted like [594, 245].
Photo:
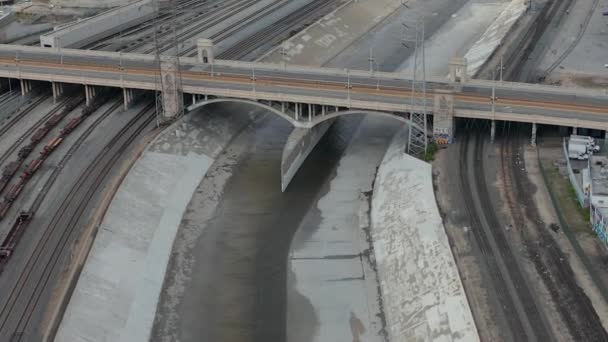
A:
[305, 96]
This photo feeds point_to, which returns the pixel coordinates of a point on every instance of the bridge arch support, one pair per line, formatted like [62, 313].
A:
[296, 114]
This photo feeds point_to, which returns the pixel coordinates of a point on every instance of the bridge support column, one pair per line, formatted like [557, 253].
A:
[443, 117]
[172, 99]
[57, 91]
[127, 96]
[310, 112]
[26, 87]
[493, 130]
[574, 130]
[533, 140]
[89, 93]
[297, 111]
[322, 110]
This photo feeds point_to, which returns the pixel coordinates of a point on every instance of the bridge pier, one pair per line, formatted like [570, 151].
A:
[57, 91]
[89, 93]
[127, 96]
[574, 130]
[443, 117]
[26, 87]
[493, 131]
[533, 140]
[172, 99]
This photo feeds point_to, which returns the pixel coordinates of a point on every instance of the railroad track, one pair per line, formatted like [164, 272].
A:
[574, 43]
[149, 25]
[15, 118]
[503, 295]
[234, 27]
[11, 149]
[573, 306]
[192, 25]
[278, 30]
[22, 301]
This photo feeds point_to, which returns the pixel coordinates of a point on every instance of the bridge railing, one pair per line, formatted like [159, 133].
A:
[189, 63]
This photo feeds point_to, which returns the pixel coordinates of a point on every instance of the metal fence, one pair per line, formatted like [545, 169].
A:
[580, 195]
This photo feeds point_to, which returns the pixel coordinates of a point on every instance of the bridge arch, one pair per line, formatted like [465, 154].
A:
[303, 123]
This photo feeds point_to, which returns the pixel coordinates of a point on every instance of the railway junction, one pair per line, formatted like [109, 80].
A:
[300, 170]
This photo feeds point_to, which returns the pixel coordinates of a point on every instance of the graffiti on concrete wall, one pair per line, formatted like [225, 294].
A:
[442, 136]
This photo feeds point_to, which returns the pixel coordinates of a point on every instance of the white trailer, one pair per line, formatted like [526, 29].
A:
[577, 150]
[589, 141]
[80, 33]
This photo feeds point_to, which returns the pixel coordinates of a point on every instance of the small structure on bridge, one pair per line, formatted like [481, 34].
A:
[458, 70]
[205, 50]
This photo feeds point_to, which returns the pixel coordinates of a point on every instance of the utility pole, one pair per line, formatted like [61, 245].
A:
[371, 59]
[417, 138]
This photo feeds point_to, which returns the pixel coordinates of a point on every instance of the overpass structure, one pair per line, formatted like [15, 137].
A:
[305, 96]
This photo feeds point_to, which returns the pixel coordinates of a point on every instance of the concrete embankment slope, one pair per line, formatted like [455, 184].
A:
[117, 293]
[493, 37]
[423, 296]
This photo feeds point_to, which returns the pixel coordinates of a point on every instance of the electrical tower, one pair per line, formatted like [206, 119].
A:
[414, 38]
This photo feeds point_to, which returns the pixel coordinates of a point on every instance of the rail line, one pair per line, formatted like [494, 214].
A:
[573, 306]
[234, 27]
[141, 29]
[228, 9]
[310, 11]
[96, 172]
[7, 309]
[15, 118]
[527, 299]
[574, 43]
[9, 151]
[503, 295]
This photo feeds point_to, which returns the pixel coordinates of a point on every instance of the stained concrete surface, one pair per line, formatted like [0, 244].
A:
[327, 259]
[238, 227]
[116, 295]
[424, 299]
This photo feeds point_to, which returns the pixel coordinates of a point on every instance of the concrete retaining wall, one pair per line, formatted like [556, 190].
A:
[423, 296]
[118, 290]
[299, 144]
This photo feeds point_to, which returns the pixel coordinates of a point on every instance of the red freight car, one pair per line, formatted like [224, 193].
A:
[14, 191]
[4, 207]
[71, 125]
[54, 120]
[25, 151]
[40, 133]
[13, 237]
[3, 182]
[52, 145]
[32, 167]
[10, 169]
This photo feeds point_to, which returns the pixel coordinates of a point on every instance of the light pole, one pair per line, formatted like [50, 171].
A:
[283, 53]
